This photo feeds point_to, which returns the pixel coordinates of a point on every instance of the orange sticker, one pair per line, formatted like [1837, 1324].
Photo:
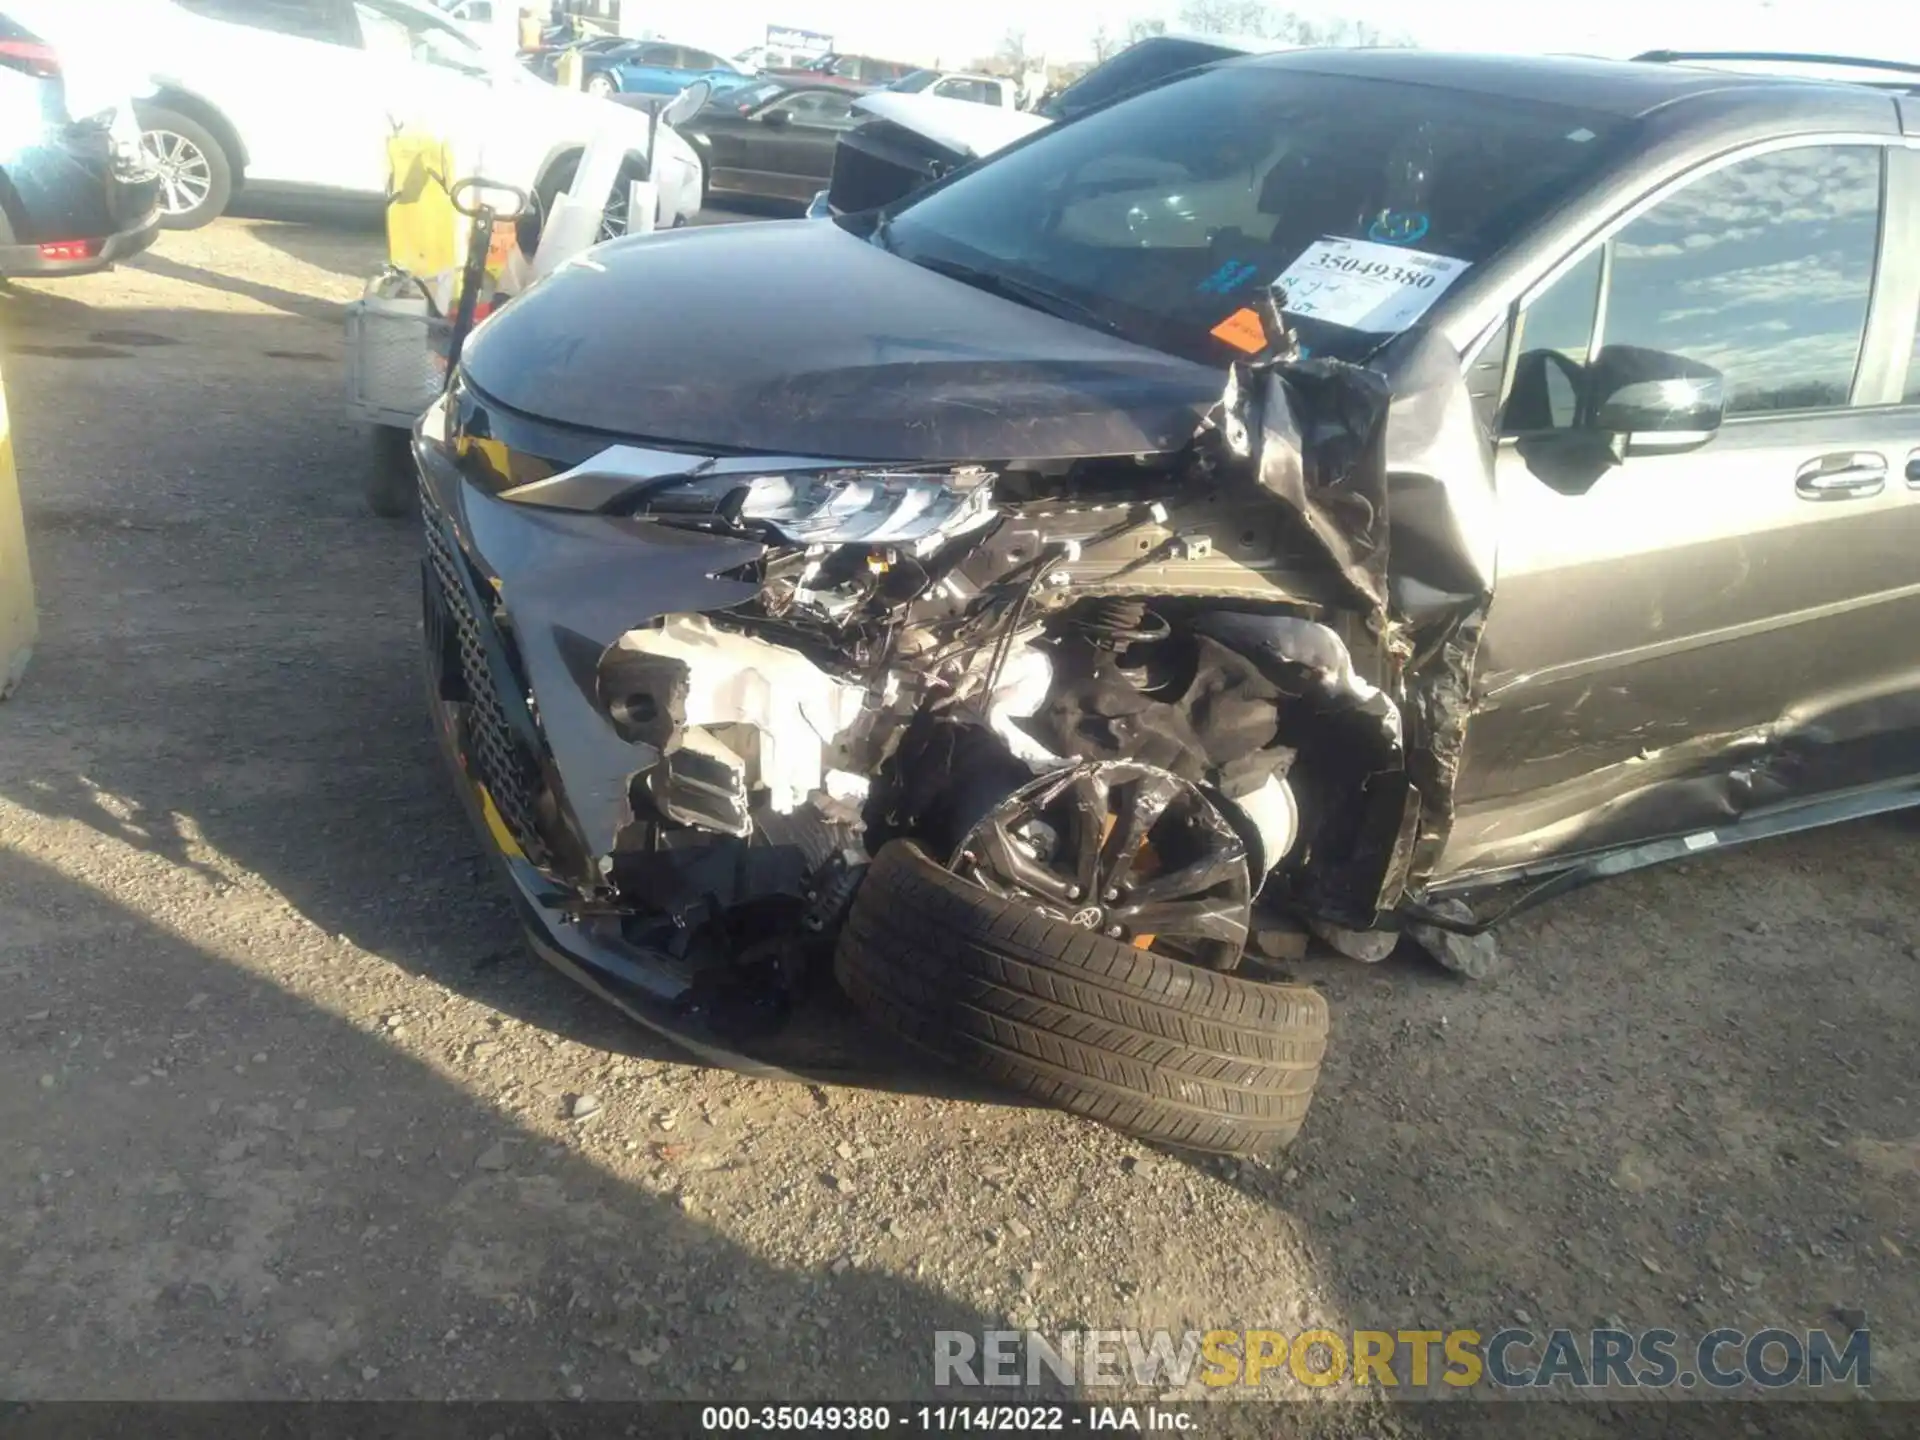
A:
[1243, 331]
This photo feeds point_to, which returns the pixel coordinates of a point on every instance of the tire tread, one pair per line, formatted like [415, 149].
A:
[1147, 1044]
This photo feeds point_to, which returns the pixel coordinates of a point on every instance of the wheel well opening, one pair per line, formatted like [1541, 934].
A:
[559, 170]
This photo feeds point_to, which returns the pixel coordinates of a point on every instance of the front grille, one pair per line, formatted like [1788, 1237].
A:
[500, 758]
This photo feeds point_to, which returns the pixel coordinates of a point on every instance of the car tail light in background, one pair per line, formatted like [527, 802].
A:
[35, 57]
[70, 250]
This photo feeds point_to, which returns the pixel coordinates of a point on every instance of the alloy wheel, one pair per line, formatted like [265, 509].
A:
[1124, 849]
[613, 219]
[186, 175]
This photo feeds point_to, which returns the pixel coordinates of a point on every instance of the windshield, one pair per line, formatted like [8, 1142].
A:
[916, 82]
[1166, 213]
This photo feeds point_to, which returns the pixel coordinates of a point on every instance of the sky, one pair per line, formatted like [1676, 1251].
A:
[954, 33]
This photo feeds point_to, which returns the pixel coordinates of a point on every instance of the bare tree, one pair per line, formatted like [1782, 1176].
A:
[1272, 22]
[1013, 51]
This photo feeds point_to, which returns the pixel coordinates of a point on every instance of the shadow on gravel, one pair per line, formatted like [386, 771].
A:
[292, 302]
[323, 213]
[230, 668]
[1673, 1109]
[350, 245]
[218, 1190]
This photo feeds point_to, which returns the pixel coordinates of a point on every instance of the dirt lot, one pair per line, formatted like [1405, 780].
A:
[286, 1107]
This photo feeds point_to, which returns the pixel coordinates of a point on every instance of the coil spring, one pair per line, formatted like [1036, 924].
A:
[1117, 623]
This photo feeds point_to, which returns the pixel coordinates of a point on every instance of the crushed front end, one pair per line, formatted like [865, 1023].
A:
[690, 694]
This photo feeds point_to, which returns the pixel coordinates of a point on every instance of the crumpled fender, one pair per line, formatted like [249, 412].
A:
[1391, 474]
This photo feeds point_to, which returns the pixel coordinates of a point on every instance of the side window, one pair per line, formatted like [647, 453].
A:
[698, 60]
[409, 33]
[1556, 335]
[819, 107]
[1912, 396]
[1762, 270]
[958, 89]
[331, 21]
[663, 56]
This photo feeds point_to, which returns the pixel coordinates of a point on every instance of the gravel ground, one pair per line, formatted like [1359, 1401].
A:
[289, 1112]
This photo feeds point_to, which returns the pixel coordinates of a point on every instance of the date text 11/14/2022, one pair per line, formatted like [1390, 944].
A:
[946, 1419]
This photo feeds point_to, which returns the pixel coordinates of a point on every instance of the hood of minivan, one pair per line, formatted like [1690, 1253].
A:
[797, 338]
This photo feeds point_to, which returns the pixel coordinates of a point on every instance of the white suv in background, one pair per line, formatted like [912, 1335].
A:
[303, 94]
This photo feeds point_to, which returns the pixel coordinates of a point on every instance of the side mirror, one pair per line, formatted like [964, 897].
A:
[777, 119]
[683, 106]
[1656, 400]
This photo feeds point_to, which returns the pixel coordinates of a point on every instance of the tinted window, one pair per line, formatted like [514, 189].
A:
[405, 30]
[748, 98]
[916, 82]
[1546, 394]
[1912, 396]
[701, 60]
[1167, 212]
[818, 107]
[974, 90]
[329, 20]
[1762, 270]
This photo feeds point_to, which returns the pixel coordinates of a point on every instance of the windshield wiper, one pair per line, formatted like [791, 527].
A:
[1034, 297]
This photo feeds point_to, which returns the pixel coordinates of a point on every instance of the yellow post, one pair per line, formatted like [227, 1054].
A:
[569, 71]
[18, 621]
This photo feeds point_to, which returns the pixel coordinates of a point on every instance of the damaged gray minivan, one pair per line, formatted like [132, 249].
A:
[1350, 491]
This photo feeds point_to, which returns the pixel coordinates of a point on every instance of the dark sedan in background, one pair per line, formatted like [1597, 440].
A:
[75, 194]
[771, 140]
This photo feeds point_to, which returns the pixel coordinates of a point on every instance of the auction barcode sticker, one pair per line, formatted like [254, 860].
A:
[1365, 285]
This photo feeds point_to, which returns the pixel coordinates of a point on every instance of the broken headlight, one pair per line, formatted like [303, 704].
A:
[863, 507]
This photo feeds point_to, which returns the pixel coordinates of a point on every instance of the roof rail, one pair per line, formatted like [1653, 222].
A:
[1681, 57]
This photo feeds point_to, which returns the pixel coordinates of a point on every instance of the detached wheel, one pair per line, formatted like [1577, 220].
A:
[196, 177]
[392, 488]
[1155, 1046]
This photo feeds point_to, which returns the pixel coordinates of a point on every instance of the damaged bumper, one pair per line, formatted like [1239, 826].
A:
[686, 696]
[517, 705]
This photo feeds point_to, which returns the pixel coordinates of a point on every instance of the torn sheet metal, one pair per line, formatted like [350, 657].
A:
[1390, 473]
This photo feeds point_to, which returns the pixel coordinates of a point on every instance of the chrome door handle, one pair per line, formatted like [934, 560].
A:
[1844, 476]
